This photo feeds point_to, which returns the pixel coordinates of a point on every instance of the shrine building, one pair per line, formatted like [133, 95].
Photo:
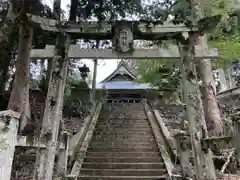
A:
[121, 85]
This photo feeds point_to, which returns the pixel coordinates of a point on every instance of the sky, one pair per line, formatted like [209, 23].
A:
[105, 67]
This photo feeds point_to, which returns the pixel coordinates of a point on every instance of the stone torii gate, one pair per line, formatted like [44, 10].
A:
[122, 34]
[110, 31]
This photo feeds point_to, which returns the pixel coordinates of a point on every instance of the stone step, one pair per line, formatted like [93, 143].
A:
[132, 106]
[142, 125]
[122, 159]
[122, 165]
[123, 144]
[128, 110]
[138, 126]
[122, 138]
[122, 172]
[123, 119]
[122, 106]
[110, 146]
[124, 115]
[124, 141]
[121, 129]
[130, 137]
[122, 133]
[163, 177]
[122, 124]
[124, 154]
[117, 119]
[125, 111]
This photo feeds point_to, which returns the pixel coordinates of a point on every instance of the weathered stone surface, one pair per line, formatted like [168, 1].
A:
[229, 177]
[123, 146]
[72, 124]
[172, 116]
[75, 52]
[9, 123]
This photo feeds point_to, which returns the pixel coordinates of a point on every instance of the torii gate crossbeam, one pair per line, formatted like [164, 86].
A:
[159, 53]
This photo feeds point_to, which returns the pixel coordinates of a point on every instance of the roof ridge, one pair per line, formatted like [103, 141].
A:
[121, 64]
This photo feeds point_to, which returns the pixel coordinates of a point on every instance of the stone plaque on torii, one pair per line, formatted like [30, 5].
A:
[122, 34]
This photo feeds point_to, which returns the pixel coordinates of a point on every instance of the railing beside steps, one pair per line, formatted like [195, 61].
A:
[160, 134]
[217, 140]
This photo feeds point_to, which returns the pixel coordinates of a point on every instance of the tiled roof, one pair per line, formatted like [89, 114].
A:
[124, 66]
[123, 85]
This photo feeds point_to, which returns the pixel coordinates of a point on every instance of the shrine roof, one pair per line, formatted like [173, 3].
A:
[122, 68]
[123, 85]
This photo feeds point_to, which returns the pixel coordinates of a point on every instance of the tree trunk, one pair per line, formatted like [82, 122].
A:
[6, 47]
[19, 99]
[73, 11]
[208, 89]
[52, 114]
[4, 64]
[194, 112]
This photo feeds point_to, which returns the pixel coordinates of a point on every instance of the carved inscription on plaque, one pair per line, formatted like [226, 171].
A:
[123, 38]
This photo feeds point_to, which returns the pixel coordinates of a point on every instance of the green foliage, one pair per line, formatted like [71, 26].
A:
[215, 7]
[226, 36]
[101, 95]
[229, 50]
[103, 9]
[156, 10]
[77, 99]
[163, 75]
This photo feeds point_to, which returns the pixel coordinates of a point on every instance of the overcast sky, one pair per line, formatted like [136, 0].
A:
[105, 67]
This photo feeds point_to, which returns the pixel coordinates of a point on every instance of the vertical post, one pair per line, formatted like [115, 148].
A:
[228, 75]
[9, 124]
[63, 156]
[53, 112]
[95, 61]
[194, 110]
[236, 125]
[184, 151]
[53, 104]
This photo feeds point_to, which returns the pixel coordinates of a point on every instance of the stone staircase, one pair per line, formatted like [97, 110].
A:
[123, 146]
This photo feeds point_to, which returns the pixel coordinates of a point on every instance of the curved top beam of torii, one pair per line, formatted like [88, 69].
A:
[142, 29]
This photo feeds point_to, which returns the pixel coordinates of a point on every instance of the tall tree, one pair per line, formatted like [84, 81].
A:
[8, 43]
[208, 89]
[19, 99]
